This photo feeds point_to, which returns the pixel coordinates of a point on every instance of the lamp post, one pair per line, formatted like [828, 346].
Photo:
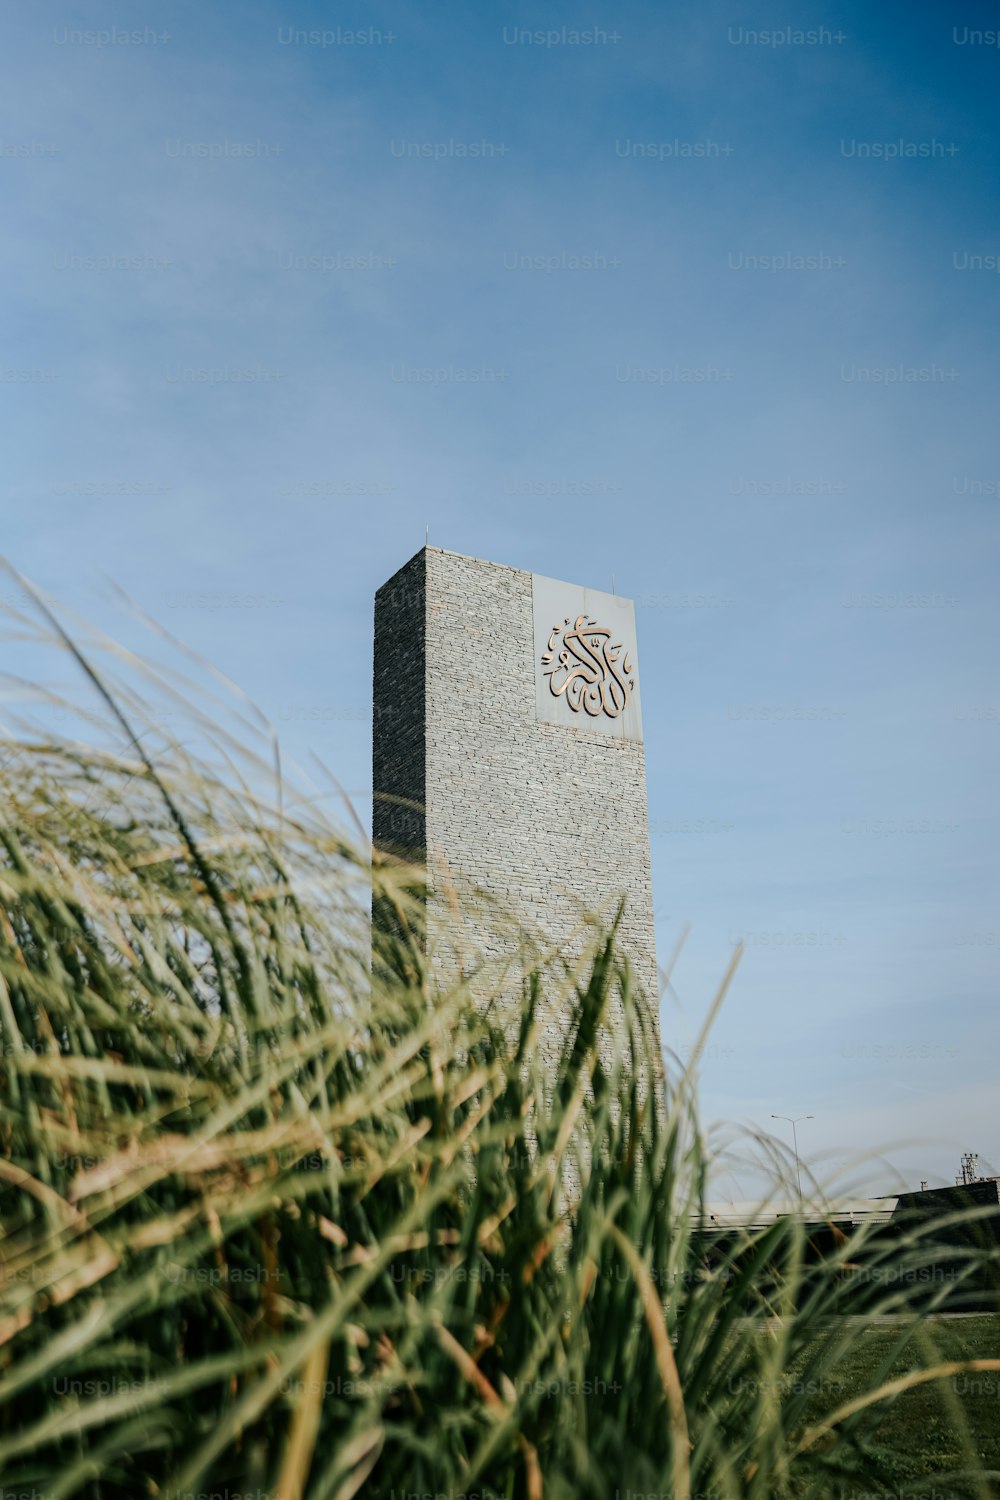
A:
[795, 1143]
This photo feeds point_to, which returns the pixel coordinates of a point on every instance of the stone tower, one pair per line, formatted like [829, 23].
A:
[508, 752]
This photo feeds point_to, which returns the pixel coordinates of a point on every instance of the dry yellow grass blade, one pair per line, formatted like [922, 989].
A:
[471, 1371]
[666, 1364]
[892, 1388]
[301, 1443]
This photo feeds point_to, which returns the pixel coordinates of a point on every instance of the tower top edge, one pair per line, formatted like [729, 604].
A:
[487, 562]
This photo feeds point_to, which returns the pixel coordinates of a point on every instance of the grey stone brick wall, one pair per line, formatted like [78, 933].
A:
[533, 824]
[399, 695]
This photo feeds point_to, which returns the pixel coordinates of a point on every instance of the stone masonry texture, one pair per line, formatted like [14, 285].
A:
[399, 743]
[531, 824]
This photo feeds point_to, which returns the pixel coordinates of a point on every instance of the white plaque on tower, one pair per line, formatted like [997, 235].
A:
[586, 659]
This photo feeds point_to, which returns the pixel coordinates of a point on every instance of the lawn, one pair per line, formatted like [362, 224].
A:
[922, 1428]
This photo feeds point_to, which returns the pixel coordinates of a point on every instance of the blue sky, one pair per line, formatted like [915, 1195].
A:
[792, 466]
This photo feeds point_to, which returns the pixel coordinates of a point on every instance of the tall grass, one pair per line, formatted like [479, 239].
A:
[283, 1214]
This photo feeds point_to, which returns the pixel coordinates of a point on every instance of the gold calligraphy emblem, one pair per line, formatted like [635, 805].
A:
[585, 669]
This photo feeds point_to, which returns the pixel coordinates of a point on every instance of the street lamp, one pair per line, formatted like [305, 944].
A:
[795, 1143]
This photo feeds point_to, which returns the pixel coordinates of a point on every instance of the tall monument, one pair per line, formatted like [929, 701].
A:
[508, 753]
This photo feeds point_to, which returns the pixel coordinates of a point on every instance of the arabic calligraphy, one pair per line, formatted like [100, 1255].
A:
[587, 669]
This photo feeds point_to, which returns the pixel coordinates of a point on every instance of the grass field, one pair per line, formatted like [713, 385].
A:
[921, 1435]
